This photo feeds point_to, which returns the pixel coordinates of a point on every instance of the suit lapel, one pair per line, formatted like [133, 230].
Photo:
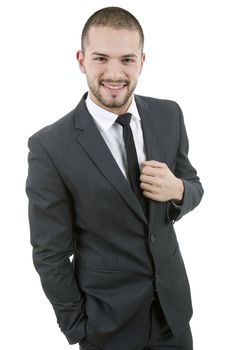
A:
[94, 145]
[151, 127]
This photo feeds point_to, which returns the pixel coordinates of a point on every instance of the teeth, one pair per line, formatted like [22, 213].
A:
[113, 87]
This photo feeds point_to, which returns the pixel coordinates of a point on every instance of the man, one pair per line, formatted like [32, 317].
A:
[105, 185]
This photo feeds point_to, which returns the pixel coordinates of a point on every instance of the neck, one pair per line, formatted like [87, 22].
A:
[116, 110]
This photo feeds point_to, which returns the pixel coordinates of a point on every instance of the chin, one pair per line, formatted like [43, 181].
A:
[115, 101]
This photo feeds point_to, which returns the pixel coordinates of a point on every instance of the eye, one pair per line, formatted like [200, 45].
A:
[127, 60]
[100, 59]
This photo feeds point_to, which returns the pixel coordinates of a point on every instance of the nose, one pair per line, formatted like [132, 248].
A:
[114, 70]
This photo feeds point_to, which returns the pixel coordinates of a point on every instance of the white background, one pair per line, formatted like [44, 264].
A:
[188, 59]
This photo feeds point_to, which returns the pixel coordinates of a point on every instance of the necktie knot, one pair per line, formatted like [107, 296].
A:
[124, 119]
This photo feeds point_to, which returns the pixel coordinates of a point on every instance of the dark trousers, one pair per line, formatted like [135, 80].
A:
[161, 337]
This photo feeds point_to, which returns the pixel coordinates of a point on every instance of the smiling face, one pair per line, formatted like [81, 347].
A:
[112, 62]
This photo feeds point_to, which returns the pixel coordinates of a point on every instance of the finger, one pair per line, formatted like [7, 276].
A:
[149, 195]
[146, 187]
[151, 171]
[154, 164]
[154, 196]
[147, 179]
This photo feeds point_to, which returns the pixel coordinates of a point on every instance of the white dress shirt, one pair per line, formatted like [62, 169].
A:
[112, 133]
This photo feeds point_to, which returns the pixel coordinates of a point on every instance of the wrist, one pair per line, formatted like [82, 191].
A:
[179, 192]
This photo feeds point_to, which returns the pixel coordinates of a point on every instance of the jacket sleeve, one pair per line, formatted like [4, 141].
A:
[184, 170]
[51, 233]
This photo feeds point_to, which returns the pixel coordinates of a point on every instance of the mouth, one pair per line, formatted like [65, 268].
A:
[113, 87]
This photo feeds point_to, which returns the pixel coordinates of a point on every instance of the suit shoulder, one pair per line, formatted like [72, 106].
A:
[166, 109]
[55, 130]
[157, 102]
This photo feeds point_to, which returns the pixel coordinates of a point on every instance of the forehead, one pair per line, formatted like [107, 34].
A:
[107, 39]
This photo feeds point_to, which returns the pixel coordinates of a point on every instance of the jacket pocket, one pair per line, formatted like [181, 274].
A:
[100, 271]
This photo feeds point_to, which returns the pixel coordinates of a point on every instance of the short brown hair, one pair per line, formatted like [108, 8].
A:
[114, 17]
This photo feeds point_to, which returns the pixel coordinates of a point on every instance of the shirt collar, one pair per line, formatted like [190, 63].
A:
[106, 119]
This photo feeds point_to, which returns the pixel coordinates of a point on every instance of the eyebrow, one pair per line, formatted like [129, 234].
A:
[104, 55]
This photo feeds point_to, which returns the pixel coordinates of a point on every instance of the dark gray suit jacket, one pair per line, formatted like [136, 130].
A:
[81, 204]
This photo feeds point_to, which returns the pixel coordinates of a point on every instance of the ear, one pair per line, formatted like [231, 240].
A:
[142, 61]
[80, 58]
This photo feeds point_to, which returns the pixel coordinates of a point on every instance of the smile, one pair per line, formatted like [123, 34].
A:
[113, 87]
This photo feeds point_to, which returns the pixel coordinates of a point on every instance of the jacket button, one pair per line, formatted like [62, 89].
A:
[157, 277]
[152, 238]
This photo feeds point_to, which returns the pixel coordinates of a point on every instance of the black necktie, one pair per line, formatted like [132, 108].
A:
[132, 160]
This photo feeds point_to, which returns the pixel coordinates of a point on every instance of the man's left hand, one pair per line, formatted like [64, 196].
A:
[159, 183]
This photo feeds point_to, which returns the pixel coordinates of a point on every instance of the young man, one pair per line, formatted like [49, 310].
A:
[106, 184]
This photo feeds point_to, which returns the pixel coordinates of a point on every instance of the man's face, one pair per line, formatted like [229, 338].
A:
[112, 63]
